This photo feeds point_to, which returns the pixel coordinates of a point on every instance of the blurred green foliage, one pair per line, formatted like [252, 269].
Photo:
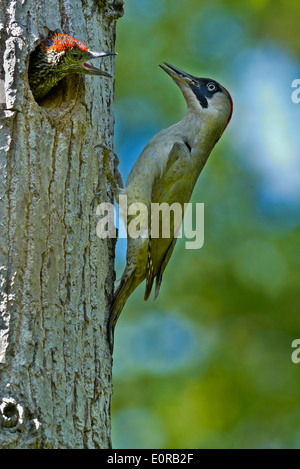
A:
[208, 365]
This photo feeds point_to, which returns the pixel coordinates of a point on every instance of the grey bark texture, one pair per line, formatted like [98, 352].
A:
[56, 275]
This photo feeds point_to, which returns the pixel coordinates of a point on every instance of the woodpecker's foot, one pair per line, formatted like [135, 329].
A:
[117, 174]
[111, 340]
[113, 175]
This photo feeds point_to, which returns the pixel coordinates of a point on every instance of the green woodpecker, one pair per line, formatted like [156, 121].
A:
[167, 171]
[60, 55]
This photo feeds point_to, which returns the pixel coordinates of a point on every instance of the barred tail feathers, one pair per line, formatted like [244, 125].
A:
[150, 276]
[129, 283]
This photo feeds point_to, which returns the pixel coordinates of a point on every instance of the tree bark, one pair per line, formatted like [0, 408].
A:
[56, 275]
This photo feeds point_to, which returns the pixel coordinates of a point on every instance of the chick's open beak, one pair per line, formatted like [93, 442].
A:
[90, 69]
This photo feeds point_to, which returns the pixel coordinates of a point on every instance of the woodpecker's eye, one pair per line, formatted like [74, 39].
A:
[211, 86]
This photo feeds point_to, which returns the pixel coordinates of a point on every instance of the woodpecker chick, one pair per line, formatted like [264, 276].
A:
[167, 171]
[60, 55]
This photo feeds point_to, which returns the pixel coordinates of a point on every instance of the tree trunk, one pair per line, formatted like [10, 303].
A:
[56, 275]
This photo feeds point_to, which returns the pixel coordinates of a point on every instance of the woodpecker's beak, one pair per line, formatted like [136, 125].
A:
[177, 74]
[90, 69]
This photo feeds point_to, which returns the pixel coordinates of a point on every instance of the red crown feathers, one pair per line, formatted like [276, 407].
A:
[60, 42]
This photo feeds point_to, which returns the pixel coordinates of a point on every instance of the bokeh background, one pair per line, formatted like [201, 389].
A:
[208, 364]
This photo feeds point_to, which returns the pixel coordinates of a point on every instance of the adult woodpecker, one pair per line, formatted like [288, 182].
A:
[60, 55]
[167, 171]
